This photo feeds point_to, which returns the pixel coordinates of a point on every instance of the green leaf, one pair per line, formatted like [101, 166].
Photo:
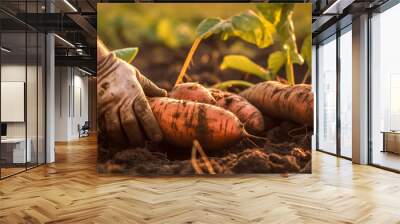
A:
[127, 54]
[286, 33]
[306, 50]
[247, 25]
[275, 61]
[225, 85]
[270, 12]
[244, 64]
[204, 28]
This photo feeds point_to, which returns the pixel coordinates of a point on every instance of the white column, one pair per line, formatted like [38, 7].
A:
[360, 90]
[50, 99]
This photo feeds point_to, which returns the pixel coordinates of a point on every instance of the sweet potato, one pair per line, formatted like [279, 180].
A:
[183, 121]
[295, 103]
[248, 114]
[191, 91]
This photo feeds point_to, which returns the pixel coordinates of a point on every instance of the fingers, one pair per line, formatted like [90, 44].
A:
[130, 125]
[113, 128]
[102, 50]
[149, 88]
[147, 119]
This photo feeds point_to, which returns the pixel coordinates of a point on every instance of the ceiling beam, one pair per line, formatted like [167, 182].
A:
[85, 25]
[49, 22]
[320, 23]
[78, 61]
[337, 7]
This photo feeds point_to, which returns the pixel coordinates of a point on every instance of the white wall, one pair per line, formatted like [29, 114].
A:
[80, 110]
[62, 81]
[33, 127]
[12, 73]
[71, 102]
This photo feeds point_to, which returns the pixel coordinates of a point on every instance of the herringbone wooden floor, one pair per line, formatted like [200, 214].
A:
[70, 191]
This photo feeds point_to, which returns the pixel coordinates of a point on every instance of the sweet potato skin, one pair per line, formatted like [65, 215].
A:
[248, 114]
[295, 103]
[183, 121]
[192, 91]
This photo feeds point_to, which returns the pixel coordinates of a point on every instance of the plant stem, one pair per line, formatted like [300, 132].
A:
[229, 83]
[289, 70]
[187, 60]
[306, 76]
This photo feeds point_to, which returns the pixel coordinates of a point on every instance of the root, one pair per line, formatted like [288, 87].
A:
[297, 129]
[252, 142]
[276, 145]
[160, 155]
[188, 79]
[204, 157]
[306, 76]
[188, 60]
[195, 165]
[248, 135]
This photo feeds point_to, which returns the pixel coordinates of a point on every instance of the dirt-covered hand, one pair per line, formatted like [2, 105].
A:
[125, 116]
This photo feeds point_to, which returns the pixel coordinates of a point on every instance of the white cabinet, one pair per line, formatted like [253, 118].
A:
[16, 147]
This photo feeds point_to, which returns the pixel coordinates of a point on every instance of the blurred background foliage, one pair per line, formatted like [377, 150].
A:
[173, 25]
[164, 33]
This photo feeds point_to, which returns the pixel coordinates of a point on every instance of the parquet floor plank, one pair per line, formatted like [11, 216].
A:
[71, 191]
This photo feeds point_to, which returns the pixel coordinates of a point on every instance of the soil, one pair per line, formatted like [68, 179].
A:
[286, 150]
[162, 65]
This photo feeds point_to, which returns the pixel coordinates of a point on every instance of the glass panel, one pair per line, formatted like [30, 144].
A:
[13, 87]
[32, 88]
[31, 98]
[327, 96]
[385, 84]
[41, 99]
[346, 94]
[22, 88]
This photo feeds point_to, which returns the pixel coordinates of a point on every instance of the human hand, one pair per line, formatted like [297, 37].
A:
[125, 117]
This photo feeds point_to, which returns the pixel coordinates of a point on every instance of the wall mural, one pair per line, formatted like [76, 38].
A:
[211, 88]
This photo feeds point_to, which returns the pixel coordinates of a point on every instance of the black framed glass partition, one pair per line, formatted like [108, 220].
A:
[383, 76]
[385, 89]
[15, 151]
[334, 94]
[326, 112]
[22, 66]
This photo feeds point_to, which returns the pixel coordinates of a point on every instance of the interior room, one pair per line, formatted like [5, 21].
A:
[334, 73]
[23, 94]
[49, 91]
[384, 88]
[25, 65]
